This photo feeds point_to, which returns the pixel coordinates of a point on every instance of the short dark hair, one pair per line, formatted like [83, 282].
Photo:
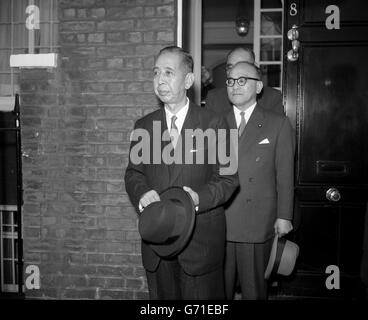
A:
[245, 49]
[186, 58]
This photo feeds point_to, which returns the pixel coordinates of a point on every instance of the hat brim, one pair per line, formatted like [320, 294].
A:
[272, 258]
[282, 257]
[174, 248]
[288, 259]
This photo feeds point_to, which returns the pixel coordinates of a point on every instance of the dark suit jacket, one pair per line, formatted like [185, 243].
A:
[270, 99]
[205, 250]
[266, 177]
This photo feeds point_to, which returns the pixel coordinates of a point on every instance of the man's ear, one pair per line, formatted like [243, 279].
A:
[189, 80]
[259, 86]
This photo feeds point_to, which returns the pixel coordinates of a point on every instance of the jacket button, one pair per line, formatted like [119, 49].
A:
[249, 200]
[250, 179]
[257, 159]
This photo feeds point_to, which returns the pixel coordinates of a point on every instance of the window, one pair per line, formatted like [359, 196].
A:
[26, 27]
[268, 17]
[10, 202]
[9, 248]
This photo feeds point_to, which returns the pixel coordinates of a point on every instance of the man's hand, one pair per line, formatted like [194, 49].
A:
[147, 198]
[282, 227]
[193, 194]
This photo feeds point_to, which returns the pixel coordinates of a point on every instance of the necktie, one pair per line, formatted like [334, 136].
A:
[174, 133]
[242, 124]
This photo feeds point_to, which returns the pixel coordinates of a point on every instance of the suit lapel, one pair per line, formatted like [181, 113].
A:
[252, 129]
[191, 122]
[162, 168]
[231, 120]
[163, 128]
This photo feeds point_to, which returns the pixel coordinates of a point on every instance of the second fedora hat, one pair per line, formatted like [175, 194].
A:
[282, 258]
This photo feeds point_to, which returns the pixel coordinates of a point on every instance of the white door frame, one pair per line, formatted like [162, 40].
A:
[195, 40]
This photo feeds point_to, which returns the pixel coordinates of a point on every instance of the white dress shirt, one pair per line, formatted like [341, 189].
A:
[181, 115]
[247, 114]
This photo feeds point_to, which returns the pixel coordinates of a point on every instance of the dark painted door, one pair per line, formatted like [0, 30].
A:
[326, 98]
[8, 162]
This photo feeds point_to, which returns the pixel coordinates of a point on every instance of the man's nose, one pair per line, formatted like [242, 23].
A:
[161, 78]
[236, 85]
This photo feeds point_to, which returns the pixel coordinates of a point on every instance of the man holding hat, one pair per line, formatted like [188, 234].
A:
[182, 221]
[263, 205]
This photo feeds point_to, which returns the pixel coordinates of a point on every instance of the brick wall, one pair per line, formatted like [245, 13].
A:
[79, 226]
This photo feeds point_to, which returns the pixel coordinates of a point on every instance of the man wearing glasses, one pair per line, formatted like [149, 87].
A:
[268, 97]
[263, 205]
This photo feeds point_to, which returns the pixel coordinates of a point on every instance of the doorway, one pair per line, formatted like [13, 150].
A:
[324, 93]
[226, 24]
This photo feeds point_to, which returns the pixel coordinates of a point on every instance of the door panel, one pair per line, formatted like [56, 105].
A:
[351, 234]
[333, 114]
[329, 237]
[8, 163]
[326, 99]
[350, 11]
[316, 235]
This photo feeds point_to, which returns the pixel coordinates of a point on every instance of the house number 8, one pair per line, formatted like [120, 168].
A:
[293, 10]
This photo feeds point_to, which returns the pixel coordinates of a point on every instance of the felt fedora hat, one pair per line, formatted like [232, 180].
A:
[282, 258]
[167, 225]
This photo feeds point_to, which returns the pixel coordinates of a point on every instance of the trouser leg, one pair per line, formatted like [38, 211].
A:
[230, 269]
[164, 283]
[252, 259]
[209, 286]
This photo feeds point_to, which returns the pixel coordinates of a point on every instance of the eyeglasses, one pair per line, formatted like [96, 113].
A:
[240, 81]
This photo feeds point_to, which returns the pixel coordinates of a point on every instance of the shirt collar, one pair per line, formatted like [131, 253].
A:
[247, 113]
[181, 115]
